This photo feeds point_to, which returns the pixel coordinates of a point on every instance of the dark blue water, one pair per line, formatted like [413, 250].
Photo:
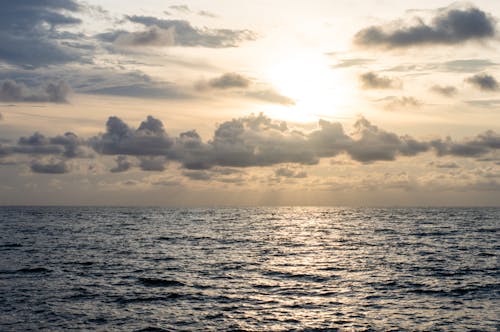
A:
[257, 269]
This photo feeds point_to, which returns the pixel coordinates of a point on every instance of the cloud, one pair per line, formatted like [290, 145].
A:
[149, 138]
[448, 165]
[181, 8]
[192, 152]
[371, 80]
[206, 14]
[374, 144]
[225, 81]
[394, 103]
[154, 90]
[30, 35]
[68, 145]
[122, 165]
[109, 81]
[345, 63]
[454, 66]
[447, 91]
[244, 86]
[198, 175]
[329, 140]
[477, 146]
[483, 82]
[153, 36]
[10, 91]
[160, 32]
[50, 167]
[468, 65]
[289, 173]
[184, 9]
[74, 147]
[220, 174]
[448, 27]
[493, 103]
[152, 164]
[258, 141]
[251, 141]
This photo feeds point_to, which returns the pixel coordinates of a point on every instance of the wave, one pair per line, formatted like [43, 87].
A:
[155, 282]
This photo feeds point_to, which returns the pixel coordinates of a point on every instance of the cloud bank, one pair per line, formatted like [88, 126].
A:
[11, 91]
[160, 32]
[371, 80]
[250, 141]
[245, 87]
[30, 36]
[448, 27]
[483, 82]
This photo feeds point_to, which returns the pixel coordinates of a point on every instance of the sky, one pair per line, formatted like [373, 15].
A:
[224, 103]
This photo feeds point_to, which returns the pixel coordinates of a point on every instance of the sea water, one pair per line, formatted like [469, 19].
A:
[255, 269]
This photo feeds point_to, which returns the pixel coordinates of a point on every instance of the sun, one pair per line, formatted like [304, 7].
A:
[308, 79]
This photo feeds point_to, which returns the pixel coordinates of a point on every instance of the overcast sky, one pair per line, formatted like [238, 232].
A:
[154, 102]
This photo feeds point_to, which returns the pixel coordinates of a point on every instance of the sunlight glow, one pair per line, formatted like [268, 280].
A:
[308, 79]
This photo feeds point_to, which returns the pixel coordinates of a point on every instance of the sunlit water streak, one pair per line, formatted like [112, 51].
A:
[258, 269]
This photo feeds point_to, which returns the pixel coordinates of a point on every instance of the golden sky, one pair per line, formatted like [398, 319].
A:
[250, 103]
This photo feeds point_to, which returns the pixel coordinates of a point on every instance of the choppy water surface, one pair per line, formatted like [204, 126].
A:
[257, 269]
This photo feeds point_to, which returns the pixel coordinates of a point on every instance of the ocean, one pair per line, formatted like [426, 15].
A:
[249, 269]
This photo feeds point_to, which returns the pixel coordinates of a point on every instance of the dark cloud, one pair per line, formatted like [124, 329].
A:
[258, 141]
[477, 146]
[36, 144]
[192, 152]
[68, 145]
[198, 175]
[50, 85]
[74, 147]
[289, 173]
[122, 165]
[108, 81]
[30, 34]
[10, 91]
[153, 36]
[36, 139]
[152, 164]
[166, 183]
[483, 82]
[371, 80]
[229, 80]
[447, 91]
[154, 90]
[225, 81]
[149, 138]
[250, 141]
[448, 165]
[449, 26]
[244, 86]
[330, 140]
[50, 167]
[224, 175]
[374, 144]
[160, 32]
